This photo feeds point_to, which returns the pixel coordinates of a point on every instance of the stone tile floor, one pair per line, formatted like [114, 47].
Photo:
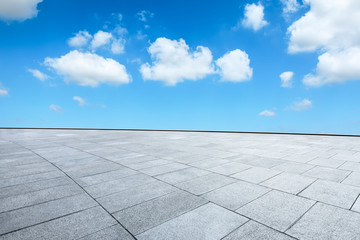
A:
[97, 184]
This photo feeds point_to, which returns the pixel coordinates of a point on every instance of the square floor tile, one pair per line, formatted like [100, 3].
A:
[333, 193]
[253, 230]
[205, 183]
[326, 173]
[287, 182]
[327, 222]
[208, 222]
[256, 174]
[276, 209]
[236, 194]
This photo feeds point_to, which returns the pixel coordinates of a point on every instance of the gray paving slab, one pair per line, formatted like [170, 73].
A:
[293, 167]
[327, 222]
[356, 206]
[104, 177]
[353, 179]
[209, 163]
[107, 188]
[34, 186]
[207, 222]
[152, 213]
[256, 174]
[262, 161]
[253, 230]
[92, 170]
[30, 178]
[28, 216]
[351, 166]
[136, 195]
[33, 198]
[230, 168]
[333, 193]
[115, 232]
[68, 227]
[327, 173]
[276, 209]
[235, 195]
[327, 162]
[288, 182]
[205, 183]
[30, 171]
[157, 170]
[147, 164]
[182, 175]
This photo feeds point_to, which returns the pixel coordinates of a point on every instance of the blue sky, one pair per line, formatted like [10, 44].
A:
[282, 65]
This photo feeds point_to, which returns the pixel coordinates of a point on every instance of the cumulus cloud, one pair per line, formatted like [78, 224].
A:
[101, 38]
[267, 113]
[290, 6]
[118, 46]
[173, 62]
[79, 100]
[89, 69]
[254, 17]
[144, 15]
[333, 28]
[235, 66]
[18, 10]
[335, 67]
[55, 108]
[39, 75]
[286, 79]
[301, 105]
[80, 39]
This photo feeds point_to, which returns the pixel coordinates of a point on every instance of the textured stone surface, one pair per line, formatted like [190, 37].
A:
[205, 183]
[252, 230]
[236, 194]
[327, 222]
[95, 184]
[256, 174]
[276, 209]
[332, 193]
[206, 222]
[152, 213]
[287, 182]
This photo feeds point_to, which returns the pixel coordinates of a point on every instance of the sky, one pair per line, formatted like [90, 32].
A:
[237, 65]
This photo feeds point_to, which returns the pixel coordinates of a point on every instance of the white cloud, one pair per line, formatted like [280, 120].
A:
[235, 66]
[80, 100]
[333, 28]
[119, 30]
[267, 113]
[89, 69]
[328, 25]
[18, 10]
[302, 105]
[335, 67]
[286, 78]
[144, 15]
[101, 38]
[254, 16]
[55, 108]
[39, 75]
[290, 6]
[118, 46]
[80, 39]
[3, 92]
[173, 62]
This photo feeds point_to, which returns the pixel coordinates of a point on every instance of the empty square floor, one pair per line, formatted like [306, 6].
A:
[108, 184]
